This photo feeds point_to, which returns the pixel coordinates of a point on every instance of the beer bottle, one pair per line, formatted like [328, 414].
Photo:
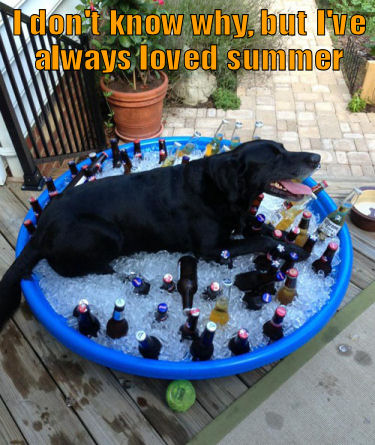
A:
[148, 345]
[141, 286]
[255, 303]
[163, 153]
[303, 228]
[332, 223]
[290, 261]
[226, 259]
[73, 168]
[161, 313]
[168, 283]
[50, 184]
[117, 326]
[256, 204]
[292, 235]
[257, 130]
[170, 160]
[191, 144]
[93, 157]
[235, 139]
[185, 160]
[137, 150]
[202, 347]
[187, 284]
[324, 263]
[126, 161]
[53, 195]
[97, 168]
[88, 324]
[76, 311]
[189, 330]
[116, 160]
[288, 292]
[310, 243]
[87, 171]
[37, 208]
[219, 313]
[273, 329]
[262, 262]
[212, 291]
[255, 227]
[239, 344]
[213, 147]
[291, 209]
[249, 281]
[80, 178]
[29, 226]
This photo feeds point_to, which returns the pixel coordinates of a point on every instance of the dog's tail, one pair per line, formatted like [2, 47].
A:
[10, 286]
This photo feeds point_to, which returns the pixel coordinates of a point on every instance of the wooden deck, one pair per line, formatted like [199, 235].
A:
[49, 395]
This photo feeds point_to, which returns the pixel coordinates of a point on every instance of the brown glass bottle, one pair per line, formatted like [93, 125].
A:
[324, 263]
[303, 227]
[189, 330]
[29, 226]
[37, 208]
[73, 168]
[163, 153]
[287, 293]
[202, 347]
[292, 235]
[148, 345]
[116, 160]
[126, 161]
[273, 329]
[187, 284]
[168, 284]
[137, 150]
[117, 326]
[239, 344]
[310, 243]
[256, 204]
[290, 261]
[88, 324]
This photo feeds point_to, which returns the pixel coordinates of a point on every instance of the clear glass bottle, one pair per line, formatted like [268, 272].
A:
[257, 130]
[213, 147]
[235, 139]
[191, 145]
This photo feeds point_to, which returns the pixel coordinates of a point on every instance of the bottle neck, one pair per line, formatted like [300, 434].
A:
[304, 223]
[118, 314]
[277, 321]
[291, 282]
[207, 337]
[191, 323]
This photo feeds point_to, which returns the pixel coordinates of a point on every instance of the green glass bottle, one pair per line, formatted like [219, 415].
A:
[333, 222]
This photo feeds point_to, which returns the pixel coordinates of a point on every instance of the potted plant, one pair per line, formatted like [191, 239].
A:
[134, 96]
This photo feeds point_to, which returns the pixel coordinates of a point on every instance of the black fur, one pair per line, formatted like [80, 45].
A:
[186, 208]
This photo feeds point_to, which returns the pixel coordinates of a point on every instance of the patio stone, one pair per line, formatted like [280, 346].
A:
[356, 170]
[341, 157]
[361, 158]
[344, 144]
[309, 132]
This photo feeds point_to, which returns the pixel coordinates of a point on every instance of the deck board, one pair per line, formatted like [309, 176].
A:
[110, 406]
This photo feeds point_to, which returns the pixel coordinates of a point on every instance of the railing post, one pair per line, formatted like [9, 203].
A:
[32, 178]
[93, 98]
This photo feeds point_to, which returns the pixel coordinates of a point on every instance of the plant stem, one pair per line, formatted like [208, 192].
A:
[134, 80]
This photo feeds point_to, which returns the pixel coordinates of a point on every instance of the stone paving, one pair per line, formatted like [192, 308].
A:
[303, 110]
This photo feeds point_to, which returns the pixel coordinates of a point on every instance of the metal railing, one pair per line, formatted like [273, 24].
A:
[354, 64]
[50, 115]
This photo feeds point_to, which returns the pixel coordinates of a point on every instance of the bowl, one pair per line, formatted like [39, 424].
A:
[362, 212]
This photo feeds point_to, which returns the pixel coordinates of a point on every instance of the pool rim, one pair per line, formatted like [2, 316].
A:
[164, 369]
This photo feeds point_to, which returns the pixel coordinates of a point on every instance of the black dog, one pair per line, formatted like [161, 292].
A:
[186, 208]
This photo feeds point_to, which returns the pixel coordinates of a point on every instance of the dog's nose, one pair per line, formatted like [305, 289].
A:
[314, 160]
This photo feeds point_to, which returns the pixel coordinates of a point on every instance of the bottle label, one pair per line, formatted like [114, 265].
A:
[329, 228]
[117, 315]
[276, 218]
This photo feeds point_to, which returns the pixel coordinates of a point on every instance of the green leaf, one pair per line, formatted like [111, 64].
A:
[96, 43]
[125, 42]
[107, 93]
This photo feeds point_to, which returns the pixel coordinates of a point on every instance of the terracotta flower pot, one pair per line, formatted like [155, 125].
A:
[138, 114]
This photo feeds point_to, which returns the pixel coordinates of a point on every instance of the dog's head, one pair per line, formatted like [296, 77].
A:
[263, 166]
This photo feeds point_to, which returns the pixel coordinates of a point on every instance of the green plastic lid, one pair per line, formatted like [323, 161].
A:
[180, 395]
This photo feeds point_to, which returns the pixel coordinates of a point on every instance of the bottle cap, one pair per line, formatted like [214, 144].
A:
[53, 194]
[280, 276]
[161, 140]
[225, 254]
[162, 308]
[137, 282]
[266, 298]
[296, 230]
[292, 273]
[277, 234]
[243, 334]
[194, 312]
[136, 141]
[261, 218]
[177, 144]
[227, 282]
[197, 134]
[27, 222]
[333, 246]
[120, 303]
[92, 155]
[83, 301]
[211, 326]
[275, 264]
[82, 308]
[261, 196]
[180, 395]
[168, 278]
[215, 286]
[307, 214]
[140, 336]
[293, 256]
[185, 158]
[280, 311]
[324, 183]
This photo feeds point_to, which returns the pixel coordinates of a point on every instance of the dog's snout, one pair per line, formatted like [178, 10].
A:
[314, 160]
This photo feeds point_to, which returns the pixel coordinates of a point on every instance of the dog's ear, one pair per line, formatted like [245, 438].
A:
[228, 175]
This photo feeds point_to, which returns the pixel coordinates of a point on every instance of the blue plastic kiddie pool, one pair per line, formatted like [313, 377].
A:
[56, 324]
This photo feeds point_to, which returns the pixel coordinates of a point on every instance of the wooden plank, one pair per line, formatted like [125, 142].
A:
[96, 396]
[215, 395]
[363, 272]
[12, 213]
[9, 432]
[351, 293]
[149, 394]
[22, 195]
